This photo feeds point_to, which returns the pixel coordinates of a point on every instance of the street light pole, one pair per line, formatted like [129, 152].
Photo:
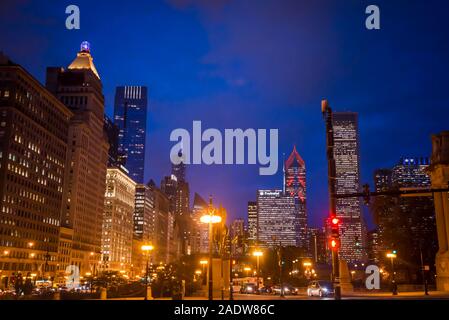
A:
[392, 256]
[211, 282]
[210, 218]
[147, 249]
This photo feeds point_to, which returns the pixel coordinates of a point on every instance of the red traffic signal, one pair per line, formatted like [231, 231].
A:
[335, 221]
[334, 244]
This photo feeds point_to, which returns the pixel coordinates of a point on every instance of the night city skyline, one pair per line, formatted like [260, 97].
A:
[268, 67]
[254, 150]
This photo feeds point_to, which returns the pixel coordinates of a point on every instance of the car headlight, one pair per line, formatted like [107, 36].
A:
[324, 289]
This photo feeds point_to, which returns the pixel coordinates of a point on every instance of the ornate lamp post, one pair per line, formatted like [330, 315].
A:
[392, 255]
[257, 254]
[210, 219]
[147, 249]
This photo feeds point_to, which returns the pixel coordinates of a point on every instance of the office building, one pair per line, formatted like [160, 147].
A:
[252, 221]
[79, 88]
[33, 147]
[130, 115]
[118, 226]
[347, 164]
[295, 186]
[277, 219]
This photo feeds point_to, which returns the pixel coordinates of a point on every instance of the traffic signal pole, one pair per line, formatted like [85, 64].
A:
[327, 114]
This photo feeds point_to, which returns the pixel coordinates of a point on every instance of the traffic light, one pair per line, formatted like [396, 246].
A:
[335, 243]
[366, 194]
[335, 234]
[335, 223]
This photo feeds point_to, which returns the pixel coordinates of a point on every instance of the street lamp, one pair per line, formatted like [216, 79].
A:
[392, 255]
[147, 249]
[203, 264]
[257, 254]
[210, 219]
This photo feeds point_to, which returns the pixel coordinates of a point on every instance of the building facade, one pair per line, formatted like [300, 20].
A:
[317, 245]
[252, 221]
[295, 186]
[130, 115]
[200, 233]
[407, 224]
[79, 88]
[347, 163]
[237, 235]
[276, 219]
[118, 226]
[34, 129]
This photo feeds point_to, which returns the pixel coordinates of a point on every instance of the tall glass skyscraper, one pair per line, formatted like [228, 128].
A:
[130, 115]
[347, 164]
[295, 186]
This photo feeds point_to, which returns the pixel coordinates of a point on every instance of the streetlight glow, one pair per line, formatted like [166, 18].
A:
[210, 219]
[147, 247]
[258, 253]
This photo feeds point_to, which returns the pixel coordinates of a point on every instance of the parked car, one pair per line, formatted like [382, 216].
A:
[249, 288]
[287, 289]
[320, 288]
[266, 290]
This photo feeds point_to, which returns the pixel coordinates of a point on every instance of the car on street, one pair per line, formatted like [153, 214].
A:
[266, 290]
[248, 288]
[320, 288]
[288, 290]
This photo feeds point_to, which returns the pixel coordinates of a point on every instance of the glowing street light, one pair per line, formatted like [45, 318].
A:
[257, 254]
[210, 219]
[392, 255]
[147, 248]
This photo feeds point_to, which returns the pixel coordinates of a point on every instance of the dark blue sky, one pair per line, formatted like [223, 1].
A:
[257, 64]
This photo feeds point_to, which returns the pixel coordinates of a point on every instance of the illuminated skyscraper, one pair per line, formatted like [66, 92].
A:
[277, 219]
[382, 179]
[295, 186]
[347, 164]
[79, 87]
[252, 221]
[200, 240]
[118, 226]
[130, 115]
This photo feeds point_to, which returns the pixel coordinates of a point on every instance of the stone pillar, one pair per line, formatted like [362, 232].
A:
[439, 175]
[345, 278]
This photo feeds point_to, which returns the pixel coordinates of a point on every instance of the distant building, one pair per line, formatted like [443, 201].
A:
[163, 223]
[317, 245]
[252, 221]
[237, 235]
[407, 224]
[295, 186]
[410, 172]
[79, 87]
[200, 232]
[373, 247]
[347, 163]
[112, 133]
[382, 179]
[118, 226]
[130, 115]
[144, 214]
[277, 219]
[34, 128]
